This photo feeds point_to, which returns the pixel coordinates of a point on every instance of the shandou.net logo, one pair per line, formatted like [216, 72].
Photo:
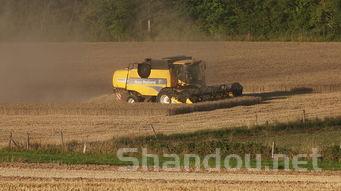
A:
[140, 159]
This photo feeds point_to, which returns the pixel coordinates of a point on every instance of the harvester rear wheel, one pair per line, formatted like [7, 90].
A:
[237, 89]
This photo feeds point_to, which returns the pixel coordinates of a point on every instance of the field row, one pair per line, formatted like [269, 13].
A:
[47, 128]
[11, 184]
[63, 179]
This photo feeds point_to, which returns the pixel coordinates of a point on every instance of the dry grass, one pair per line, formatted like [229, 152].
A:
[143, 185]
[80, 179]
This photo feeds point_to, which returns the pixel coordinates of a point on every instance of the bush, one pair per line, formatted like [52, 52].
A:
[125, 20]
[332, 153]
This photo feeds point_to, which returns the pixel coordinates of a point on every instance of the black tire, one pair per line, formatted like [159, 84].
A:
[144, 70]
[237, 89]
[165, 96]
[133, 99]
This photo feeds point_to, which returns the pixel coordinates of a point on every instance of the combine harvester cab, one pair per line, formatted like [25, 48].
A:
[179, 79]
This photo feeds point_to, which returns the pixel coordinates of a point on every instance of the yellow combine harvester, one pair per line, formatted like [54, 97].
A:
[179, 79]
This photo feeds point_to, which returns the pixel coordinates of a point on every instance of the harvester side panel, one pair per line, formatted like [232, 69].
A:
[151, 86]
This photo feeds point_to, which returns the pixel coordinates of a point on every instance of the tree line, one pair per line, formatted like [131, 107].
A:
[138, 20]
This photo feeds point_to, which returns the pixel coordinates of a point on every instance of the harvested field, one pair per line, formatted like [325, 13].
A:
[61, 178]
[52, 93]
[276, 108]
[103, 107]
[157, 185]
[68, 72]
[47, 88]
[113, 109]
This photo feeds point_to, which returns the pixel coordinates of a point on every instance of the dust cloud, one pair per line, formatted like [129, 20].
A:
[69, 72]
[45, 72]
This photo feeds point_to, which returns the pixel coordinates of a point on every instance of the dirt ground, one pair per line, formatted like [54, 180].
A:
[52, 177]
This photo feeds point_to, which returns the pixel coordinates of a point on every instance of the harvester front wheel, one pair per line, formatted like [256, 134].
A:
[133, 99]
[165, 96]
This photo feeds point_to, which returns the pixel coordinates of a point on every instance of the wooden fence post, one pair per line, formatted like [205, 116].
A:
[273, 150]
[62, 139]
[256, 119]
[84, 148]
[10, 140]
[151, 125]
[304, 116]
[85, 145]
[28, 141]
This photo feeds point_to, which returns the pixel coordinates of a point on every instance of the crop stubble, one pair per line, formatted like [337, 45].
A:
[69, 73]
[92, 127]
[89, 178]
